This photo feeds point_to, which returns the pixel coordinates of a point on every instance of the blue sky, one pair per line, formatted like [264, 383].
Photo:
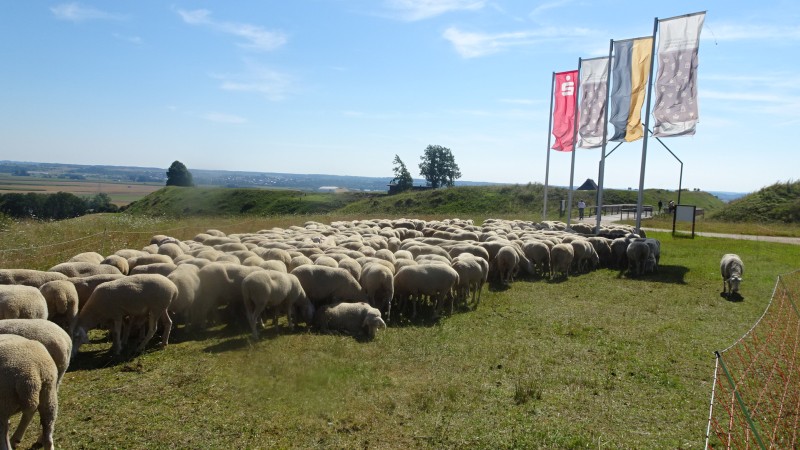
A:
[342, 86]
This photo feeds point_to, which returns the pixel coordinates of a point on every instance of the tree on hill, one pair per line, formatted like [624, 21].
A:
[179, 175]
[402, 177]
[439, 167]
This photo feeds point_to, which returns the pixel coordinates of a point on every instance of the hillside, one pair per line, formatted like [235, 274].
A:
[520, 200]
[777, 203]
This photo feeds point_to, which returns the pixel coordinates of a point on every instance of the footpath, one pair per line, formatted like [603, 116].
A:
[609, 219]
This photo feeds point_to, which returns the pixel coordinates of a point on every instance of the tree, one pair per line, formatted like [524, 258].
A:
[439, 167]
[179, 175]
[101, 202]
[402, 177]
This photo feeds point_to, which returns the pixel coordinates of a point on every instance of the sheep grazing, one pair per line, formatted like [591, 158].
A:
[324, 285]
[55, 340]
[355, 318]
[28, 383]
[86, 285]
[22, 302]
[29, 277]
[473, 272]
[377, 281]
[83, 269]
[135, 296]
[561, 256]
[62, 302]
[437, 281]
[281, 292]
[638, 253]
[732, 269]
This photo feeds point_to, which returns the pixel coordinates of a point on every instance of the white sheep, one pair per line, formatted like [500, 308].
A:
[278, 291]
[86, 285]
[22, 302]
[473, 272]
[29, 277]
[561, 256]
[638, 252]
[147, 259]
[220, 285]
[377, 281]
[187, 279]
[62, 302]
[505, 264]
[435, 281]
[539, 255]
[90, 257]
[28, 383]
[54, 338]
[135, 296]
[117, 261]
[83, 269]
[732, 269]
[324, 284]
[354, 318]
[164, 268]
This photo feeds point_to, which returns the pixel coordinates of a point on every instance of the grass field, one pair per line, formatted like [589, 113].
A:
[597, 361]
[121, 193]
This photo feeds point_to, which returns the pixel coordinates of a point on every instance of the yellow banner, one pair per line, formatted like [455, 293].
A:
[640, 67]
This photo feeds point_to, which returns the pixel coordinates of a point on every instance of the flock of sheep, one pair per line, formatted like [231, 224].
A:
[350, 277]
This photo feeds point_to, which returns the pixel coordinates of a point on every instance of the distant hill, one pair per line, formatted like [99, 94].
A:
[727, 196]
[518, 200]
[777, 203]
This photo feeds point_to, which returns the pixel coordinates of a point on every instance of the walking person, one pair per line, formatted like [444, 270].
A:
[660, 205]
[581, 207]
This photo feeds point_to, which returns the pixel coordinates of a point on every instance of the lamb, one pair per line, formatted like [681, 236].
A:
[29, 277]
[325, 285]
[28, 383]
[354, 318]
[22, 302]
[377, 281]
[561, 256]
[145, 295]
[83, 269]
[279, 291]
[55, 340]
[62, 302]
[732, 269]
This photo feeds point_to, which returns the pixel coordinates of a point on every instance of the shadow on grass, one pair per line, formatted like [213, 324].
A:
[734, 297]
[665, 274]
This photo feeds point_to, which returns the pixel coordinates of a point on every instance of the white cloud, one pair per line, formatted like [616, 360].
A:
[473, 45]
[413, 10]
[269, 83]
[224, 118]
[548, 6]
[75, 12]
[738, 32]
[255, 37]
[130, 39]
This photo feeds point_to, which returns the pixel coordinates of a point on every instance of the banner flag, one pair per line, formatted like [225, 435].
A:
[593, 81]
[565, 92]
[630, 70]
[675, 110]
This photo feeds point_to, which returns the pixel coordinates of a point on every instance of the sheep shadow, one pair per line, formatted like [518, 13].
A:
[733, 297]
[104, 358]
[666, 274]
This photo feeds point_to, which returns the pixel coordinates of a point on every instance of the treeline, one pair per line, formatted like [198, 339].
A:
[61, 205]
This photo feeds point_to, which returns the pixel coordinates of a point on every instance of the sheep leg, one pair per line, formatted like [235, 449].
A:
[27, 416]
[151, 330]
[47, 416]
[166, 322]
[253, 313]
[5, 444]
[116, 333]
[290, 322]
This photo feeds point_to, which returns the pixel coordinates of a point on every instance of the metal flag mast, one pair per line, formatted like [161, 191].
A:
[601, 173]
[574, 144]
[640, 197]
[549, 137]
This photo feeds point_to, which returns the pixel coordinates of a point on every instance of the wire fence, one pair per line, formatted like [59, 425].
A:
[755, 401]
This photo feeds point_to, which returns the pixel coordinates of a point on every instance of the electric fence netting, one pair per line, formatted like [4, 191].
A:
[755, 400]
[42, 257]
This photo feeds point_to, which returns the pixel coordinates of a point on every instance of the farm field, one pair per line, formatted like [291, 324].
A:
[121, 193]
[600, 360]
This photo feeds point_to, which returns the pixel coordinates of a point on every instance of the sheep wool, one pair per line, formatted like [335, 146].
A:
[55, 340]
[22, 302]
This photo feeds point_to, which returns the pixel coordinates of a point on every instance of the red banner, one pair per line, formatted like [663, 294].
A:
[565, 93]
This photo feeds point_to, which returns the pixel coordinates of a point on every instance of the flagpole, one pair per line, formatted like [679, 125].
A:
[601, 174]
[549, 137]
[574, 145]
[640, 198]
